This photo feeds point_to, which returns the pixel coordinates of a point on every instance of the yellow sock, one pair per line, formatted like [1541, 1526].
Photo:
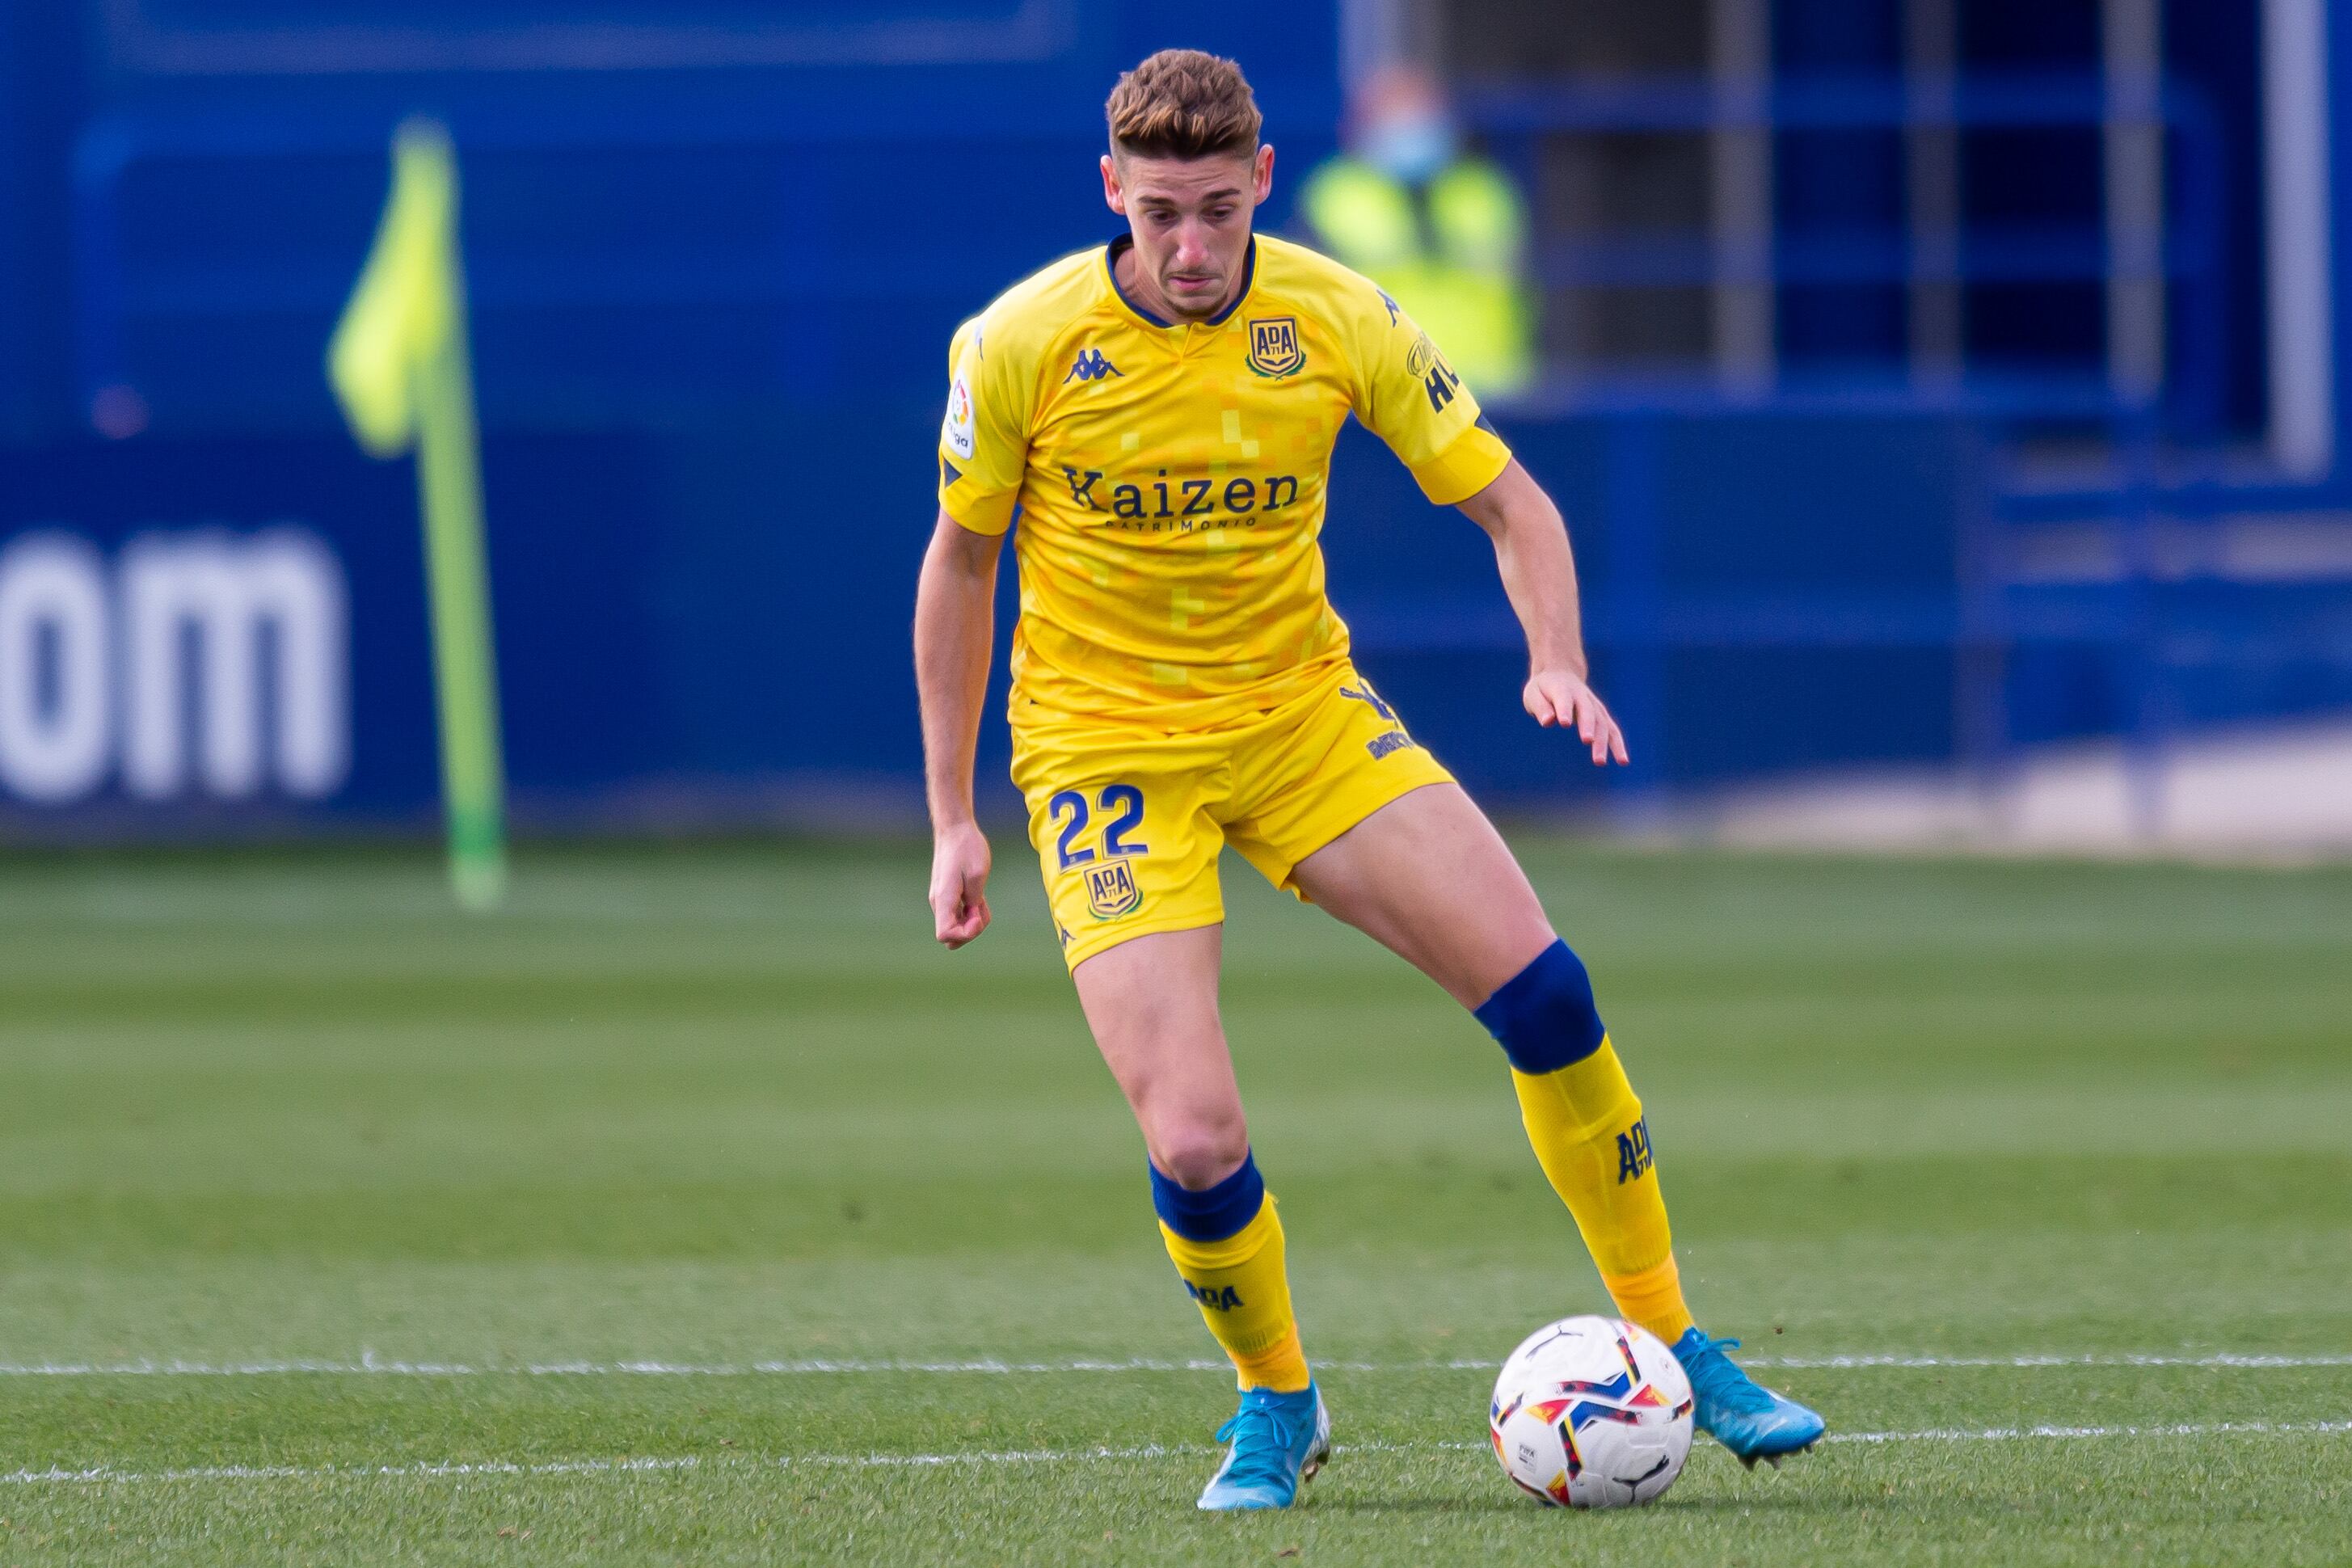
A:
[1243, 1294]
[1586, 1124]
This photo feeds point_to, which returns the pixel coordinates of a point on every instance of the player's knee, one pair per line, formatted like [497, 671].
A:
[1214, 1210]
[1544, 1015]
[1200, 1154]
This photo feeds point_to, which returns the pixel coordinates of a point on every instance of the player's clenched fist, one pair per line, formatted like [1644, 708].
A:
[1557, 697]
[959, 883]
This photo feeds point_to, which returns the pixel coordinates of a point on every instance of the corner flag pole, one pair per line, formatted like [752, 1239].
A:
[399, 365]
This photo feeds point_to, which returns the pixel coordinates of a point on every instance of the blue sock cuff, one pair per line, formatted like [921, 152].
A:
[1213, 1213]
[1544, 1014]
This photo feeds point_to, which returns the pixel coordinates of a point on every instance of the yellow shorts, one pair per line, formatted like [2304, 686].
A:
[1129, 822]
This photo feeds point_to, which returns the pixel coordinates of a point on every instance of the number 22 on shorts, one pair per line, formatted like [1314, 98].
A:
[1111, 889]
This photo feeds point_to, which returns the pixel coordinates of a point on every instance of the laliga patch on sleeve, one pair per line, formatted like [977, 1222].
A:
[955, 434]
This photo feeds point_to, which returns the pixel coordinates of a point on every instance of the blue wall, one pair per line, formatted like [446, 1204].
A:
[711, 302]
[707, 625]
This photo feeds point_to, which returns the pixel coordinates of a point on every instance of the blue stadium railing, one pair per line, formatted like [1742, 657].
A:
[2149, 626]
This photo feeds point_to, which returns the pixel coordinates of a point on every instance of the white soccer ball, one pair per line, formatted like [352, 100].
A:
[1592, 1413]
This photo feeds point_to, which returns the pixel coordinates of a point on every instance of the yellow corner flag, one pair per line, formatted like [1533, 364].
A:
[399, 367]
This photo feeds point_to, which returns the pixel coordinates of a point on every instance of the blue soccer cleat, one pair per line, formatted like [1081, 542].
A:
[1737, 1412]
[1278, 1440]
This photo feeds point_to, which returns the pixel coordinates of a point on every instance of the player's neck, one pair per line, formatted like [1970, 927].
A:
[1144, 290]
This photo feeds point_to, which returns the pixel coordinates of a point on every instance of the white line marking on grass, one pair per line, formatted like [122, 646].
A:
[370, 1364]
[2218, 1359]
[321, 1472]
[2011, 1434]
[105, 1474]
[1005, 1457]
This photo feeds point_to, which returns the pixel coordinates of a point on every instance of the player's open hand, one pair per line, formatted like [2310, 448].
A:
[959, 883]
[1557, 698]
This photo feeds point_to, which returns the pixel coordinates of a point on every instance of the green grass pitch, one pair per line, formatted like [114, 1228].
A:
[621, 1227]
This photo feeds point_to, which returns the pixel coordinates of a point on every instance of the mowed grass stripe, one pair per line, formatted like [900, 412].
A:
[2006, 1150]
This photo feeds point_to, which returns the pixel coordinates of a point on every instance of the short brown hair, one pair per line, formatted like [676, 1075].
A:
[1182, 103]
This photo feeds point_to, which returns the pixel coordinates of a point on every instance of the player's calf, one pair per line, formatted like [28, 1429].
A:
[1228, 1245]
[1589, 1132]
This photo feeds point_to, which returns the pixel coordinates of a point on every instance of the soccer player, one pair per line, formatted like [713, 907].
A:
[1161, 411]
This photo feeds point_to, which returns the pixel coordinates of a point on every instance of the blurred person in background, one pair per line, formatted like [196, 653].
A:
[1441, 229]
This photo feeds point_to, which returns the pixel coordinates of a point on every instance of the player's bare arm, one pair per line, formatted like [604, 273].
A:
[955, 602]
[1538, 571]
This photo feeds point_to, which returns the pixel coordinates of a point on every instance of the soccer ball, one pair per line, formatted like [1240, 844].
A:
[1592, 1413]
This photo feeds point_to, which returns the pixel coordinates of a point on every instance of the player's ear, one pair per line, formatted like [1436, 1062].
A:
[1115, 198]
[1264, 173]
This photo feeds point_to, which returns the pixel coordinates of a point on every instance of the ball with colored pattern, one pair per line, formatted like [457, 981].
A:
[1592, 1413]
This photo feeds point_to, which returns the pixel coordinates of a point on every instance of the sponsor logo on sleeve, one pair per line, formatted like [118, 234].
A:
[955, 434]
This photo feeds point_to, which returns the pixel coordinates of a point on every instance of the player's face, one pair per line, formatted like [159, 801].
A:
[1190, 218]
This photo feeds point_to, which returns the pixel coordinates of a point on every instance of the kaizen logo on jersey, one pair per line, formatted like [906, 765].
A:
[1273, 346]
[1091, 367]
[956, 434]
[1180, 498]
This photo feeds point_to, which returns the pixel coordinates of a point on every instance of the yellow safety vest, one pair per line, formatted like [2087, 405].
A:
[1452, 259]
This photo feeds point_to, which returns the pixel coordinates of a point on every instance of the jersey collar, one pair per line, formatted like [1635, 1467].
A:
[1127, 242]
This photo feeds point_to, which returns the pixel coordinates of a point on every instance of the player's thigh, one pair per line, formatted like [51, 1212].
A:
[1151, 1003]
[1428, 877]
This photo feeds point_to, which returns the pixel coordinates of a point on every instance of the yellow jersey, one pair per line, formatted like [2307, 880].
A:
[1170, 479]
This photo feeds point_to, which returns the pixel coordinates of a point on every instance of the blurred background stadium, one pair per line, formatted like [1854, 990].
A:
[1943, 393]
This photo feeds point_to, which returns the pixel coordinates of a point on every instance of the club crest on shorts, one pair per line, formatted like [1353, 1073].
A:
[1111, 890]
[1273, 346]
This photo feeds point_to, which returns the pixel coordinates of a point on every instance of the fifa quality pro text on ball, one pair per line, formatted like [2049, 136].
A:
[1592, 1413]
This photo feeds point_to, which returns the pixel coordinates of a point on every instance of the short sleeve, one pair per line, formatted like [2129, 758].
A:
[1410, 398]
[983, 438]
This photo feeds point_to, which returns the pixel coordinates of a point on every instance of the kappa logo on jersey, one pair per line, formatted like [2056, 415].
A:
[1396, 739]
[1633, 1151]
[1273, 346]
[1111, 891]
[1091, 365]
[1217, 1298]
[1373, 698]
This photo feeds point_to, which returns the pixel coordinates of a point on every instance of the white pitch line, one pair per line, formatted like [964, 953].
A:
[2182, 1429]
[376, 1367]
[102, 1475]
[2218, 1359]
[318, 1472]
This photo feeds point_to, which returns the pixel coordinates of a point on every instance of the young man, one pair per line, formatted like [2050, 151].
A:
[1161, 411]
